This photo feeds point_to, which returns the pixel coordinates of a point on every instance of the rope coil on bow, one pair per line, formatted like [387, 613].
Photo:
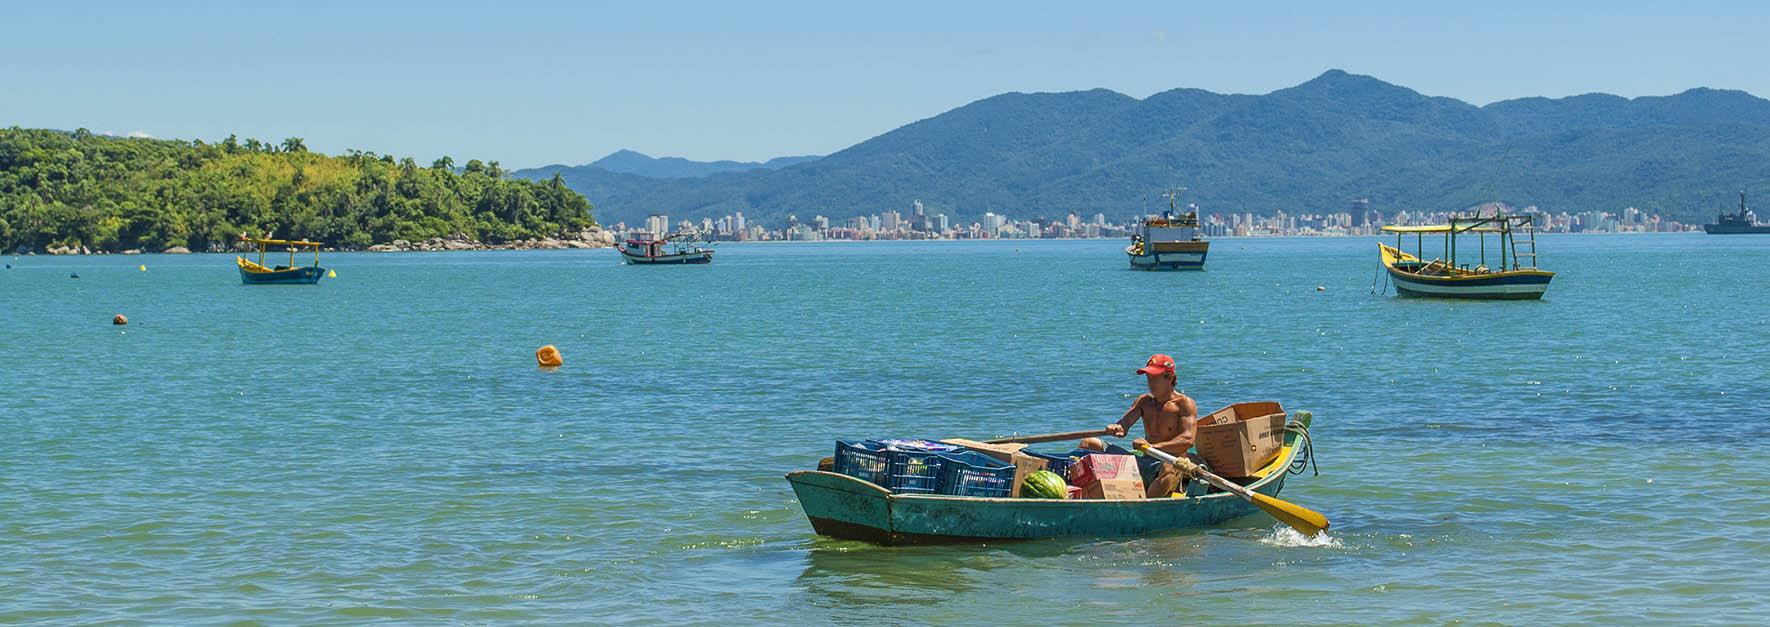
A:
[1307, 458]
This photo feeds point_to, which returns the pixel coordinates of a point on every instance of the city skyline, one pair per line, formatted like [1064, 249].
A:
[894, 225]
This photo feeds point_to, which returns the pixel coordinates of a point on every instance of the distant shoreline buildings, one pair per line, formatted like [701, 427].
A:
[1359, 220]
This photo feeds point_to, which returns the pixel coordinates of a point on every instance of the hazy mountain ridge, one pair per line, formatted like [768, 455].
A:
[640, 164]
[1307, 148]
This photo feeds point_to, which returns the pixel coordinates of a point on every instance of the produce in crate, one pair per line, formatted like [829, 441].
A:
[1044, 484]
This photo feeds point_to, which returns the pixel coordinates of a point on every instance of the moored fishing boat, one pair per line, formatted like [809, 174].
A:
[256, 273]
[672, 250]
[841, 506]
[1169, 242]
[1447, 277]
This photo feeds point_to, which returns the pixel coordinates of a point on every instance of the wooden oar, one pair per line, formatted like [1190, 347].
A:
[1049, 437]
[1306, 521]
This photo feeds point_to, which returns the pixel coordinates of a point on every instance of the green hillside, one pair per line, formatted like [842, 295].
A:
[1308, 148]
[110, 193]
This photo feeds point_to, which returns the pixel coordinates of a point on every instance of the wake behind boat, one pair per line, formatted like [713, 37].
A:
[673, 250]
[1445, 276]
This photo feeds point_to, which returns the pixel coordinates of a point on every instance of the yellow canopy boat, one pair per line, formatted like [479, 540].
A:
[256, 273]
[1448, 276]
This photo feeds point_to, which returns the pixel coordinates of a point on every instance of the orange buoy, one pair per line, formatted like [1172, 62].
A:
[119, 320]
[548, 357]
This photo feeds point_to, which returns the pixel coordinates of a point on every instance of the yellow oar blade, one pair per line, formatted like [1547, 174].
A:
[1306, 521]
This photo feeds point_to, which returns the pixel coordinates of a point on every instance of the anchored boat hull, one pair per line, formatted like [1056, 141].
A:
[1175, 256]
[698, 257]
[1404, 272]
[309, 275]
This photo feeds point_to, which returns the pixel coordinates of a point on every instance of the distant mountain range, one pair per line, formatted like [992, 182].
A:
[1309, 148]
[641, 164]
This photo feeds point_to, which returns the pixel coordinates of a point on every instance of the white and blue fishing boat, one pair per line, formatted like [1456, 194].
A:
[1450, 275]
[1169, 242]
[673, 250]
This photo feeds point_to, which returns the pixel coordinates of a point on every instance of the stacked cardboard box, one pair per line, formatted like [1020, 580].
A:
[1103, 476]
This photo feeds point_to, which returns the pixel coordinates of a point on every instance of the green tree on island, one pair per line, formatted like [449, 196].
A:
[112, 193]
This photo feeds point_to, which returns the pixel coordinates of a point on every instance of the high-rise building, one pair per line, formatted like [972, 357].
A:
[657, 224]
[993, 222]
[1361, 208]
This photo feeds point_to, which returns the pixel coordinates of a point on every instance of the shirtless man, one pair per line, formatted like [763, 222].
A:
[1170, 421]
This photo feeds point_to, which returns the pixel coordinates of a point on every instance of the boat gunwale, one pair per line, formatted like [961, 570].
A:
[1275, 471]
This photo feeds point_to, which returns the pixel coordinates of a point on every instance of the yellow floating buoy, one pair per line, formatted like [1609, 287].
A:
[548, 357]
[119, 320]
[143, 267]
[331, 274]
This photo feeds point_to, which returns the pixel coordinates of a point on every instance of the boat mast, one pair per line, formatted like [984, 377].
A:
[1173, 197]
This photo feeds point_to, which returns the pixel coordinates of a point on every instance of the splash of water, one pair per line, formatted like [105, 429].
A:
[1285, 536]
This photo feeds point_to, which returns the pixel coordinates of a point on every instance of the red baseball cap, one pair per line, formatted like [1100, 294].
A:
[1158, 364]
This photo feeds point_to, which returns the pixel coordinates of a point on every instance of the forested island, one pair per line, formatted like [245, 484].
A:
[81, 190]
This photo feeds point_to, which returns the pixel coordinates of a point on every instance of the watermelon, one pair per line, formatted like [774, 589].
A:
[1044, 484]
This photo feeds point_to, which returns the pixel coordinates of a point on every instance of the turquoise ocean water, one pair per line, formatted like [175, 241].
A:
[381, 447]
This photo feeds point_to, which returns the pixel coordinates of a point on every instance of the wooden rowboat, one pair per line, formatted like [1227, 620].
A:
[841, 506]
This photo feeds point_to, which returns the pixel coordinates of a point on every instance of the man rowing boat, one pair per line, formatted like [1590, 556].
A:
[1170, 421]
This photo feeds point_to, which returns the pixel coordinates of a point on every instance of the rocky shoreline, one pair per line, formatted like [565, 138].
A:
[593, 237]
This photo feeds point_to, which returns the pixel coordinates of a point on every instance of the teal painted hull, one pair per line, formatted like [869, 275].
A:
[308, 275]
[840, 506]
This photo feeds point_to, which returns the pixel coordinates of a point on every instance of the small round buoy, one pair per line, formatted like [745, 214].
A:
[548, 357]
[143, 267]
[331, 274]
[119, 320]
[1319, 288]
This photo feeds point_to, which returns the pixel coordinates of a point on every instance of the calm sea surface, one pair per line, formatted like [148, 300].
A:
[382, 448]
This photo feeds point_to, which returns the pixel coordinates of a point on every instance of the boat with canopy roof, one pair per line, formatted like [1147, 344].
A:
[257, 273]
[1451, 275]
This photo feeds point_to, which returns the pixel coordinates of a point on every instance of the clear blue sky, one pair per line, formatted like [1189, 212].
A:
[536, 83]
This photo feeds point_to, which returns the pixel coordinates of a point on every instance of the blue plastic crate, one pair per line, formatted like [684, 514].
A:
[970, 473]
[912, 472]
[1055, 463]
[915, 444]
[861, 460]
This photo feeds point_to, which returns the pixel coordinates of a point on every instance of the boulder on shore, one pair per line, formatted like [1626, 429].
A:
[177, 250]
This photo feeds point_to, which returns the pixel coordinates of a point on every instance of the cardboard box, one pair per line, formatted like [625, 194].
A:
[1025, 465]
[1103, 467]
[1114, 489]
[1241, 438]
[1004, 452]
